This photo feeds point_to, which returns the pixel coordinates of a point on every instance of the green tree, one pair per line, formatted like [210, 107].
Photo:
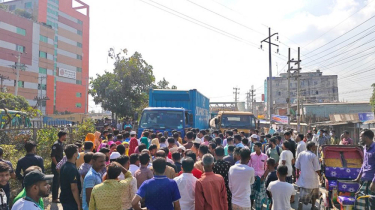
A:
[164, 84]
[372, 99]
[9, 101]
[126, 89]
[23, 13]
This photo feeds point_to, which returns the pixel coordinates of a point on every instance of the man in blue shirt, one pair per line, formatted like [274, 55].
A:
[92, 178]
[367, 174]
[238, 141]
[160, 193]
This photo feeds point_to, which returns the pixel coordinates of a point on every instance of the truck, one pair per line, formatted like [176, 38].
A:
[175, 110]
[228, 120]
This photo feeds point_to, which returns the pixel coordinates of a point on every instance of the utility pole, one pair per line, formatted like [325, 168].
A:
[298, 92]
[296, 75]
[252, 98]
[236, 92]
[18, 66]
[41, 98]
[248, 100]
[269, 91]
[288, 89]
[2, 78]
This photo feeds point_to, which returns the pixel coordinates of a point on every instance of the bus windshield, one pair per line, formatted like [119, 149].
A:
[238, 121]
[162, 119]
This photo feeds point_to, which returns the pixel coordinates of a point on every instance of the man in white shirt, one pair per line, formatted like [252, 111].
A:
[308, 163]
[282, 192]
[134, 163]
[286, 159]
[36, 187]
[241, 177]
[301, 145]
[186, 185]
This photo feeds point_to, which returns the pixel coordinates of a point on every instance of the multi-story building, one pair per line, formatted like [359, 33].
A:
[51, 39]
[315, 88]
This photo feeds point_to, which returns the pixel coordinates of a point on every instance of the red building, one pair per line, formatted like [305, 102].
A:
[52, 39]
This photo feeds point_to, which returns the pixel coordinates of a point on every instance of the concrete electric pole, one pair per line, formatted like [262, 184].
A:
[296, 75]
[236, 93]
[252, 94]
[18, 67]
[269, 91]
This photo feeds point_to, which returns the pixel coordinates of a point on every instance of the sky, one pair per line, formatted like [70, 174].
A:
[213, 45]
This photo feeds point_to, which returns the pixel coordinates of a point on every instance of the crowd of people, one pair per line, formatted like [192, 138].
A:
[202, 170]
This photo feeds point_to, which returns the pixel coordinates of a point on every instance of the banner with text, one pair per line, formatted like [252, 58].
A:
[280, 119]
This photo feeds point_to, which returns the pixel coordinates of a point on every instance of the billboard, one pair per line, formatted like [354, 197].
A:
[363, 117]
[67, 73]
[280, 119]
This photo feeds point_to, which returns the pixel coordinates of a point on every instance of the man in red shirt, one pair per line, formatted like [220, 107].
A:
[196, 172]
[133, 142]
[210, 190]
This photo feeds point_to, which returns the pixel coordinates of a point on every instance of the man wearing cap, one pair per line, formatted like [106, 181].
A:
[36, 187]
[133, 143]
[114, 156]
[254, 139]
[92, 178]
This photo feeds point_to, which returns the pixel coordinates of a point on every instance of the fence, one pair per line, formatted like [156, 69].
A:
[32, 130]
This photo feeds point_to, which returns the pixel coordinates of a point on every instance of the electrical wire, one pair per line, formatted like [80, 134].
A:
[247, 27]
[350, 55]
[338, 25]
[341, 48]
[200, 23]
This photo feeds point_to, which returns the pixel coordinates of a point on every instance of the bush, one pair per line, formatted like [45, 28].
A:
[88, 126]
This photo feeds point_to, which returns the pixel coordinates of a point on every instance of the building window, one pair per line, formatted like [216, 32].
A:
[42, 54]
[79, 69]
[44, 87]
[54, 1]
[279, 93]
[28, 5]
[315, 83]
[21, 31]
[12, 7]
[44, 103]
[43, 39]
[78, 105]
[79, 32]
[79, 44]
[20, 48]
[78, 82]
[79, 57]
[21, 84]
[316, 92]
[42, 70]
[80, 22]
[79, 95]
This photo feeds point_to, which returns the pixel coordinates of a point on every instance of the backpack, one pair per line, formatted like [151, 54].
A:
[277, 149]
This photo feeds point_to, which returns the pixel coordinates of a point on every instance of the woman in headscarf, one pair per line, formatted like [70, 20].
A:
[97, 140]
[90, 137]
